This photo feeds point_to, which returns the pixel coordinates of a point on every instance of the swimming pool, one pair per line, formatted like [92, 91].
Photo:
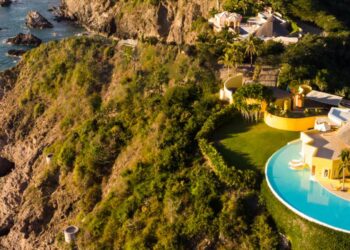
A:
[303, 196]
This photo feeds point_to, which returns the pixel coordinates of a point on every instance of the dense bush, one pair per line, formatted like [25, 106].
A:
[245, 7]
[230, 175]
[251, 98]
[215, 120]
[327, 14]
[321, 61]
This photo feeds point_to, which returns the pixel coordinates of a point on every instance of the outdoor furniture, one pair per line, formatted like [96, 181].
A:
[296, 164]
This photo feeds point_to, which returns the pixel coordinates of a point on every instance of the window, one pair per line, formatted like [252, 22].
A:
[325, 173]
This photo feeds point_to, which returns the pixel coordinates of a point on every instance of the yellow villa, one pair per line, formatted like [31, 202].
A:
[321, 150]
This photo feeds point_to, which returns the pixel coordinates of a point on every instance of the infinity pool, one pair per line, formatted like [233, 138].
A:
[304, 197]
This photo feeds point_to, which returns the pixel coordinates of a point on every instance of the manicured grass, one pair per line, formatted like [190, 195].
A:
[249, 145]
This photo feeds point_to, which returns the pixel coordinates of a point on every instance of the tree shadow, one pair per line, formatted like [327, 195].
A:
[231, 128]
[234, 158]
[339, 9]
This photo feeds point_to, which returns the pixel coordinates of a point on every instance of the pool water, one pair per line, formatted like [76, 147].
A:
[305, 197]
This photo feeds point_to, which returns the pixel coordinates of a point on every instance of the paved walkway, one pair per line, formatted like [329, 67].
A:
[268, 75]
[337, 185]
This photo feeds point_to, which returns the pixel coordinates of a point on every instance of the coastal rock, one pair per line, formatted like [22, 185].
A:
[35, 20]
[6, 166]
[16, 52]
[5, 3]
[169, 21]
[24, 39]
[59, 14]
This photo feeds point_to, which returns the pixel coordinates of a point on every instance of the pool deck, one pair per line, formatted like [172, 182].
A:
[330, 187]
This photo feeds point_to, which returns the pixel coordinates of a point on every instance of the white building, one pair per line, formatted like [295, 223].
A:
[226, 19]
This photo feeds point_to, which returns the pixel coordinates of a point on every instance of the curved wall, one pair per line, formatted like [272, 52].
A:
[290, 124]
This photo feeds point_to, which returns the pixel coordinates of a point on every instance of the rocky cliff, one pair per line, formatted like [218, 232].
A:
[114, 120]
[35, 198]
[169, 20]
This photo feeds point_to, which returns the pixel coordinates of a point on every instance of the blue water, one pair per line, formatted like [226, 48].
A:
[12, 22]
[307, 197]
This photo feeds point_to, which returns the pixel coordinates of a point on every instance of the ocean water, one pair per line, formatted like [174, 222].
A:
[12, 22]
[304, 196]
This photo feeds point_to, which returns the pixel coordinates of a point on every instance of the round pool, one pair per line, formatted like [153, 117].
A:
[303, 196]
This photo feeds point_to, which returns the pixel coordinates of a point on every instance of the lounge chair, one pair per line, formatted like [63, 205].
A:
[296, 164]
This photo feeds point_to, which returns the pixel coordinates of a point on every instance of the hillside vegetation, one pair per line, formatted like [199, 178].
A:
[126, 168]
[130, 130]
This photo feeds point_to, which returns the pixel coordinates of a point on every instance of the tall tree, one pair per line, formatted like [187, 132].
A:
[226, 60]
[236, 51]
[251, 49]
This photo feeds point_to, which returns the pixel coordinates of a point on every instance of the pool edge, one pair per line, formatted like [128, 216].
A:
[290, 206]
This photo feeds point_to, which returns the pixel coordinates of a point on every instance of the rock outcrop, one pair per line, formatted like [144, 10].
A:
[170, 21]
[6, 166]
[24, 39]
[35, 20]
[59, 14]
[16, 52]
[5, 3]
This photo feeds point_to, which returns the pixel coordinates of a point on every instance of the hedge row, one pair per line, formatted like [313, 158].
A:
[230, 175]
[233, 177]
[216, 120]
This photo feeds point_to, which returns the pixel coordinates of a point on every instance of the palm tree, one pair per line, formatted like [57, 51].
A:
[345, 164]
[249, 99]
[226, 60]
[244, 6]
[251, 49]
[235, 49]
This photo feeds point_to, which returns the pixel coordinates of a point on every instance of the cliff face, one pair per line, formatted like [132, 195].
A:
[169, 20]
[35, 198]
[26, 209]
[114, 122]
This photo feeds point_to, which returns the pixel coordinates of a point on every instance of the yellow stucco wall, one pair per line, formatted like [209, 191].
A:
[322, 164]
[332, 165]
[290, 124]
[318, 164]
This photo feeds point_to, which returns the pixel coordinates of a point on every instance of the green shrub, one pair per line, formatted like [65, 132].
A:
[91, 198]
[95, 102]
[66, 156]
[39, 109]
[233, 177]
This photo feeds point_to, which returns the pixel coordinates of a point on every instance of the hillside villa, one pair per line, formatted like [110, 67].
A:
[226, 19]
[267, 25]
[321, 147]
[323, 137]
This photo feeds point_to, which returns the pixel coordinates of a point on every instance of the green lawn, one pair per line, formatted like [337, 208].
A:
[249, 145]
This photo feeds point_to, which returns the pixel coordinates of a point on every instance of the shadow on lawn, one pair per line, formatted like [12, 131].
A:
[231, 128]
[233, 158]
